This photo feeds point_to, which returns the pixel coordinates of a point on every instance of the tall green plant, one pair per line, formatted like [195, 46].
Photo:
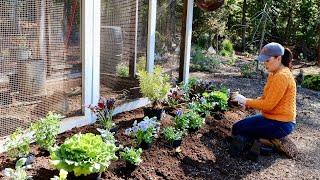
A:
[46, 130]
[154, 86]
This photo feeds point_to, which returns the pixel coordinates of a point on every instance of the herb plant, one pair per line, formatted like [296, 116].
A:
[20, 172]
[154, 86]
[181, 121]
[195, 121]
[107, 136]
[84, 154]
[131, 155]
[17, 145]
[46, 130]
[171, 134]
[312, 82]
[104, 111]
[144, 131]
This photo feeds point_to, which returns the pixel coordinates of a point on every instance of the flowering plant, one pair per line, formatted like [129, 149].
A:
[175, 96]
[131, 155]
[144, 131]
[104, 111]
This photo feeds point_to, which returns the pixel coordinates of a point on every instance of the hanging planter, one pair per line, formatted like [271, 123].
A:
[209, 5]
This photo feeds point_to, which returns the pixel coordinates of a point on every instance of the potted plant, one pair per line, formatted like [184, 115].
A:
[20, 172]
[175, 99]
[132, 157]
[155, 86]
[173, 136]
[46, 130]
[84, 156]
[17, 145]
[144, 132]
[195, 121]
[104, 112]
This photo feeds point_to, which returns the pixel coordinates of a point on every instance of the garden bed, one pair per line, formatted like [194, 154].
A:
[200, 154]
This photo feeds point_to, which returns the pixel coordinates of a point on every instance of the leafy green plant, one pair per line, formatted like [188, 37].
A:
[312, 82]
[62, 175]
[46, 130]
[122, 70]
[84, 154]
[154, 86]
[19, 173]
[171, 134]
[219, 97]
[17, 145]
[181, 121]
[131, 155]
[195, 121]
[144, 131]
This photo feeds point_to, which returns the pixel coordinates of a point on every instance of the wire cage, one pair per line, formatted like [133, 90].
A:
[40, 64]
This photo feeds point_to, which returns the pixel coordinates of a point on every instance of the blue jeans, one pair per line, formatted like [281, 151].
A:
[257, 126]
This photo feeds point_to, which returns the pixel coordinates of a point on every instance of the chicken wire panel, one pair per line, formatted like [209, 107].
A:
[118, 43]
[40, 64]
[168, 33]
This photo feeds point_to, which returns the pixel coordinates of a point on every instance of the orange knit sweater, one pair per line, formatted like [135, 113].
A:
[278, 101]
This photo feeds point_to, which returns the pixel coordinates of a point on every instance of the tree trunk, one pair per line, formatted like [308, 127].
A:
[244, 25]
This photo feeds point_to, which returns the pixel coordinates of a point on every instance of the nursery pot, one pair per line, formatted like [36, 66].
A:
[145, 145]
[176, 143]
[114, 129]
[192, 130]
[131, 167]
[94, 176]
[151, 112]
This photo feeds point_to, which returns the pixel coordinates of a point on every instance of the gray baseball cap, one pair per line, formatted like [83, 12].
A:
[270, 50]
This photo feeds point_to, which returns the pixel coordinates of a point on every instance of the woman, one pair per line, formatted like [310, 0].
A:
[277, 105]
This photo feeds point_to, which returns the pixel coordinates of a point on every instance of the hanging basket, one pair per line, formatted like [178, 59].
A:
[209, 5]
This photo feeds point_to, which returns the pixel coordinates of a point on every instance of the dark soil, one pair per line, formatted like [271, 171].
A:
[203, 153]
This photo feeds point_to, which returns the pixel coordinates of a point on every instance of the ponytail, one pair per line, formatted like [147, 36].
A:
[286, 59]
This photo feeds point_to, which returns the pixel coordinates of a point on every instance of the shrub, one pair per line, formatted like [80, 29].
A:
[171, 134]
[227, 48]
[84, 154]
[144, 131]
[141, 65]
[122, 70]
[20, 172]
[17, 145]
[312, 82]
[131, 155]
[248, 70]
[154, 86]
[46, 130]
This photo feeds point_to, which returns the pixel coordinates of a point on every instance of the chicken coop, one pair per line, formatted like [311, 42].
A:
[62, 55]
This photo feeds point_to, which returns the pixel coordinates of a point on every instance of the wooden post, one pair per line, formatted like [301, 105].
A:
[183, 38]
[133, 61]
[151, 34]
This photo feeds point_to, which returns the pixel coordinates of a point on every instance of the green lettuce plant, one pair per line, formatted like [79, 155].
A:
[46, 130]
[63, 174]
[84, 154]
[17, 144]
[171, 134]
[131, 155]
[218, 98]
[155, 86]
[19, 173]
